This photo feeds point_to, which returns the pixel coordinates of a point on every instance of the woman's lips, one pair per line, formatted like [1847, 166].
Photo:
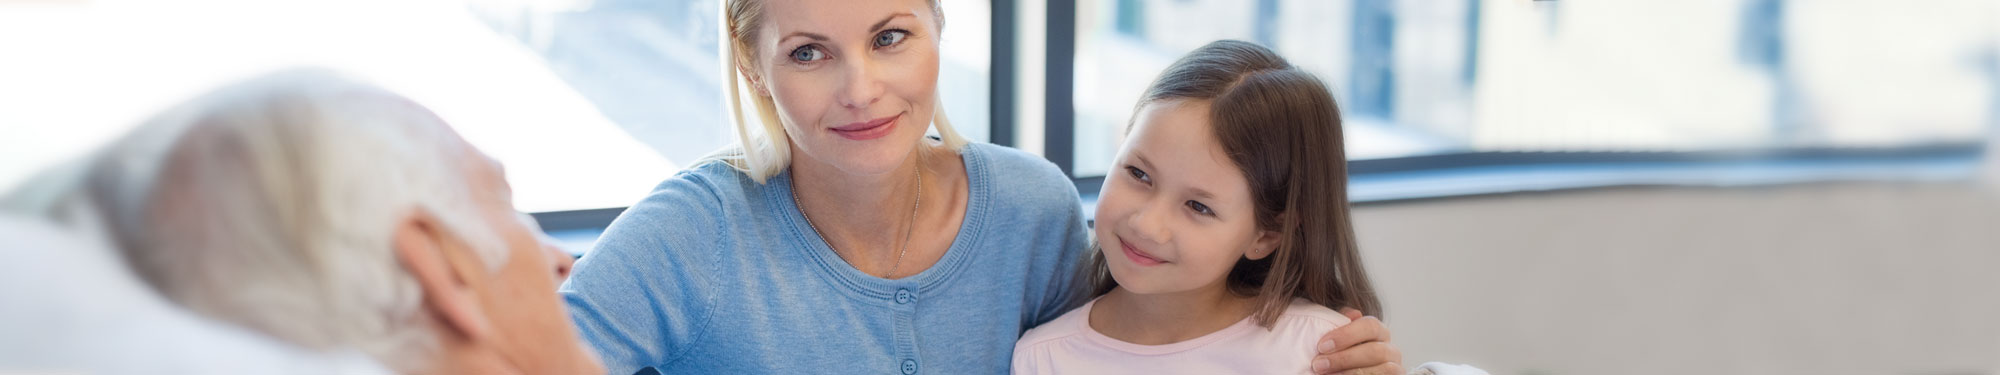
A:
[866, 130]
[1140, 257]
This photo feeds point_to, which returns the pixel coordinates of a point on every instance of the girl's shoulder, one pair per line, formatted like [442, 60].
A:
[1069, 325]
[1308, 316]
[1299, 329]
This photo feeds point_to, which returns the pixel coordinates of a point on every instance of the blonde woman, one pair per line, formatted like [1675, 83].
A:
[839, 238]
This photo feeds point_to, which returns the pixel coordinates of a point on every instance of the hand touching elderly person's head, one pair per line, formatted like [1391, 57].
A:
[336, 215]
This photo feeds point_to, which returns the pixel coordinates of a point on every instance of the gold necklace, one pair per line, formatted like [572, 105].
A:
[919, 202]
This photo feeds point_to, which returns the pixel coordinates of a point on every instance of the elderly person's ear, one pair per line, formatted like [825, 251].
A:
[445, 271]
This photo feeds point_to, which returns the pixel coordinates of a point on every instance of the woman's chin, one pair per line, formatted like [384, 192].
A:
[873, 157]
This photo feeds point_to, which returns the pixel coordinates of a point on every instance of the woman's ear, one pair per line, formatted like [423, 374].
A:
[756, 82]
[425, 250]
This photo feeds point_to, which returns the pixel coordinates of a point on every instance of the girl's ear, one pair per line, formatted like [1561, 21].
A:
[1266, 243]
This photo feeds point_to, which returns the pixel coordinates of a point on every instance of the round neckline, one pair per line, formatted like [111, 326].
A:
[1090, 333]
[841, 273]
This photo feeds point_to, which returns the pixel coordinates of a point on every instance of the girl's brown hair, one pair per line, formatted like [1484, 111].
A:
[1281, 126]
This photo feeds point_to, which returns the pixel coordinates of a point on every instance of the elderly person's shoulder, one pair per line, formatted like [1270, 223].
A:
[73, 306]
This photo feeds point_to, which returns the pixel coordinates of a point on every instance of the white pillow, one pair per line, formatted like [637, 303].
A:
[72, 306]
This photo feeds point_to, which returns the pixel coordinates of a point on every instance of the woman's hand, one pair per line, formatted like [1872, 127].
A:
[1358, 348]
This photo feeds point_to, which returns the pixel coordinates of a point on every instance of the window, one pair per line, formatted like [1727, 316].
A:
[1468, 76]
[651, 66]
[589, 103]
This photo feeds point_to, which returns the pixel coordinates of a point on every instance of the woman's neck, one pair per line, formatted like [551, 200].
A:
[837, 200]
[1166, 318]
[867, 218]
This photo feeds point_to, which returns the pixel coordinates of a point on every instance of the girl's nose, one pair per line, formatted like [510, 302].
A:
[1149, 224]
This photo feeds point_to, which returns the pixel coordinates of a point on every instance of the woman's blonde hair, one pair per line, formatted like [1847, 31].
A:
[763, 154]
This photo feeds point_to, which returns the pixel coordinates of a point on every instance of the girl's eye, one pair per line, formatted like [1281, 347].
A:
[1138, 174]
[890, 38]
[1200, 208]
[808, 54]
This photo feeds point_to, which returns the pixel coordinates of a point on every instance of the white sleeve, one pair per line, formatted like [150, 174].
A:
[1437, 368]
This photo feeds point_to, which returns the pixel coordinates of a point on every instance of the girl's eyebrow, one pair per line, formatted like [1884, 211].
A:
[1199, 193]
[1155, 172]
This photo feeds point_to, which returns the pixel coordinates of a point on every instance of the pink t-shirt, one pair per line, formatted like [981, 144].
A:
[1068, 345]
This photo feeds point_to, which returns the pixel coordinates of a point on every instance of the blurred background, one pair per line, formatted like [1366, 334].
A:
[1541, 187]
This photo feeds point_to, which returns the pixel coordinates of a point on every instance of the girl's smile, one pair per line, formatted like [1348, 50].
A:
[1140, 257]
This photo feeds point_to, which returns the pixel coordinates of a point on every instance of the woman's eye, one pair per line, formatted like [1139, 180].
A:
[890, 38]
[808, 54]
[1200, 208]
[1138, 174]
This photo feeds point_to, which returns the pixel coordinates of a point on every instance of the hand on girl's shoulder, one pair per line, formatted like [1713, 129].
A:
[1304, 315]
[1313, 319]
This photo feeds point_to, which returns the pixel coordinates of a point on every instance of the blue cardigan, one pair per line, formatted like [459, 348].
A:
[714, 273]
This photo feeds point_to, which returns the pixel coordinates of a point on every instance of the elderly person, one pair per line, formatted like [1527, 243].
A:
[335, 217]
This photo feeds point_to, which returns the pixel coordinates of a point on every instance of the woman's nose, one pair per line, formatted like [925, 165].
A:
[864, 86]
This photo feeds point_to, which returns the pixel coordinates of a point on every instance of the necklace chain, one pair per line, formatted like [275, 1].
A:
[918, 203]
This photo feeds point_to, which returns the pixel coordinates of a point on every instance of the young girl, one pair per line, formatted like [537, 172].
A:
[1223, 232]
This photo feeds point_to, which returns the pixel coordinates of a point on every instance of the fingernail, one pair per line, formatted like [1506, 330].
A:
[1321, 365]
[1325, 346]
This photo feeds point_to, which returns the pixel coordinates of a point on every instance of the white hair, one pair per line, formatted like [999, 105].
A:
[272, 204]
